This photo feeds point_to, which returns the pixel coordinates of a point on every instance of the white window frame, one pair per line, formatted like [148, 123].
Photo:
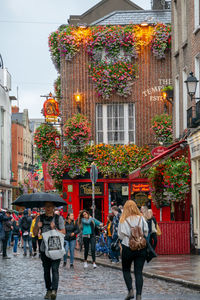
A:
[196, 14]
[126, 123]
[177, 106]
[184, 76]
[197, 74]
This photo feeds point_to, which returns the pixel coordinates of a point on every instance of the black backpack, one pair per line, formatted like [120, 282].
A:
[25, 223]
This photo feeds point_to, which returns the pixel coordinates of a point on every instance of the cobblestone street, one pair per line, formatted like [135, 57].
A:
[22, 278]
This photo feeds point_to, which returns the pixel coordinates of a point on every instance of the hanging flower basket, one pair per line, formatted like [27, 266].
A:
[44, 139]
[77, 132]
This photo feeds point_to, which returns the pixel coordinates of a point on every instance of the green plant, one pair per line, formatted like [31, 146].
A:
[162, 129]
[77, 132]
[167, 88]
[44, 138]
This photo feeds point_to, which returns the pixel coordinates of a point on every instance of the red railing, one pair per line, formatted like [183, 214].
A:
[175, 238]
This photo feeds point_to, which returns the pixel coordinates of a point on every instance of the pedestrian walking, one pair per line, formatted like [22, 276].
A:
[25, 226]
[7, 227]
[49, 221]
[34, 230]
[131, 217]
[71, 230]
[87, 224]
[152, 224]
[16, 235]
[109, 235]
[116, 217]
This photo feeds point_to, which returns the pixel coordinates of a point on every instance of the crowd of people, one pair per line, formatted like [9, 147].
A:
[25, 230]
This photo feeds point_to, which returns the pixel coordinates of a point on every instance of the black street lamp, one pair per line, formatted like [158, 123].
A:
[191, 84]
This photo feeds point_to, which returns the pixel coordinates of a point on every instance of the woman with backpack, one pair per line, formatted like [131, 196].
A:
[132, 218]
[71, 230]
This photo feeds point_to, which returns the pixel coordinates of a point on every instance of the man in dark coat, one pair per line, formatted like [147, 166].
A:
[5, 219]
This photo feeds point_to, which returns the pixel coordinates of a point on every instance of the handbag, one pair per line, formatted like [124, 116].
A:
[115, 246]
[150, 253]
[54, 244]
[158, 231]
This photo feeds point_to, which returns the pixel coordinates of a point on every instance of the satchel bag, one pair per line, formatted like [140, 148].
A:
[115, 246]
[158, 231]
[54, 244]
[137, 240]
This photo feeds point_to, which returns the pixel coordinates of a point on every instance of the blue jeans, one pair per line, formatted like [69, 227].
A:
[16, 239]
[109, 242]
[27, 238]
[70, 246]
[9, 239]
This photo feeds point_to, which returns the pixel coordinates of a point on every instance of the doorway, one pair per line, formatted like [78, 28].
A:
[86, 203]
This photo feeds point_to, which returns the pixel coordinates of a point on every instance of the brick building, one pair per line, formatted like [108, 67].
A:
[21, 146]
[186, 59]
[145, 100]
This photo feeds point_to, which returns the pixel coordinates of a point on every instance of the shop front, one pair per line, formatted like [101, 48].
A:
[194, 144]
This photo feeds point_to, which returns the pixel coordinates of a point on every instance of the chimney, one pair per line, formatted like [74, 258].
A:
[15, 109]
[158, 4]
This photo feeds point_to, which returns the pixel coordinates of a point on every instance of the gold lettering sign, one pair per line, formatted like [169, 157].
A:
[86, 189]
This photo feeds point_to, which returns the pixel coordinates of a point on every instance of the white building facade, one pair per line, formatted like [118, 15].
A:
[5, 138]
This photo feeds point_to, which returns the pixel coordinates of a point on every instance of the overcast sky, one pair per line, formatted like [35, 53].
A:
[24, 29]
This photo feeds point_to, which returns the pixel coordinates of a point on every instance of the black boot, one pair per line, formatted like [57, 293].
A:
[138, 297]
[130, 295]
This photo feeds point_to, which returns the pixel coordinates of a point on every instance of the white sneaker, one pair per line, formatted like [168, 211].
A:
[94, 266]
[85, 265]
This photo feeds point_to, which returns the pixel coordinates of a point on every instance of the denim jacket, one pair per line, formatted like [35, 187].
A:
[87, 228]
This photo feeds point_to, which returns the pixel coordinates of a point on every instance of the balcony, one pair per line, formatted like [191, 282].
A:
[193, 118]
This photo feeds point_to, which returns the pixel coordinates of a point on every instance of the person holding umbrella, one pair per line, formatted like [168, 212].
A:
[50, 221]
[47, 222]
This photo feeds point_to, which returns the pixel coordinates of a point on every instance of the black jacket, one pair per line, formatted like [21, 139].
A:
[71, 228]
[15, 229]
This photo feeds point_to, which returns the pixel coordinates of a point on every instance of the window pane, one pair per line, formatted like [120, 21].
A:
[109, 124]
[100, 137]
[115, 136]
[115, 111]
[109, 111]
[131, 137]
[130, 110]
[99, 111]
[121, 136]
[100, 124]
[131, 123]
[121, 124]
[121, 110]
[110, 136]
[115, 124]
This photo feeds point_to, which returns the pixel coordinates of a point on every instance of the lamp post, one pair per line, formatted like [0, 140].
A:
[191, 84]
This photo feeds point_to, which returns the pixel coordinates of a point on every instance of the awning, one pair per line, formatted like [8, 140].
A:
[171, 150]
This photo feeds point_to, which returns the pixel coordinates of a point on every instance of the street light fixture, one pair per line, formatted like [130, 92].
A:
[191, 84]
[78, 98]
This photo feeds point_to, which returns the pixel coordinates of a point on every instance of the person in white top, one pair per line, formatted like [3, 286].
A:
[131, 215]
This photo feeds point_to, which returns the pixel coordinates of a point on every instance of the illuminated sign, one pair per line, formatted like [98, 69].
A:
[51, 110]
[140, 187]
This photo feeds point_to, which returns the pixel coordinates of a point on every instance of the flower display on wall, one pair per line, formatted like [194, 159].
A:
[112, 161]
[44, 137]
[110, 77]
[162, 129]
[77, 132]
[161, 40]
[170, 181]
[110, 46]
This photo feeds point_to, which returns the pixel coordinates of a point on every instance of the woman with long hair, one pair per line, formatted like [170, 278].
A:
[87, 223]
[71, 230]
[132, 217]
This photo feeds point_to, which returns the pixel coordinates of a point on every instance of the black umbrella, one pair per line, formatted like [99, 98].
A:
[38, 200]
